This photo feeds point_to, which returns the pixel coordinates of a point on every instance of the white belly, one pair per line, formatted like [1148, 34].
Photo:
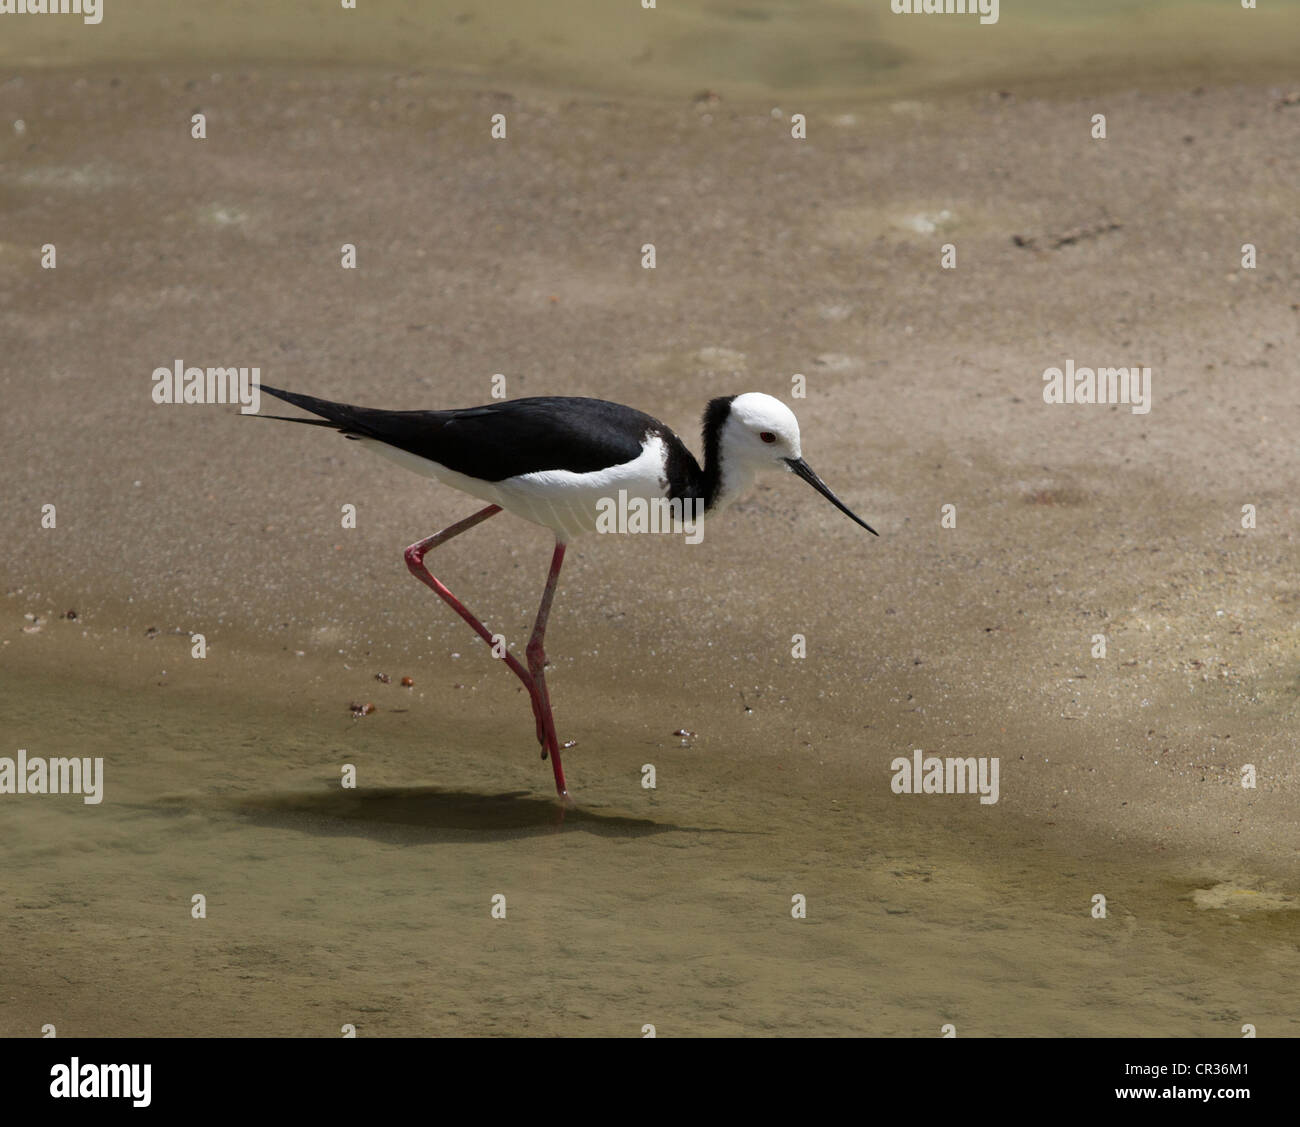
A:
[567, 503]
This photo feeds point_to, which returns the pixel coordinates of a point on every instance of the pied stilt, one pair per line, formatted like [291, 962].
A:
[559, 462]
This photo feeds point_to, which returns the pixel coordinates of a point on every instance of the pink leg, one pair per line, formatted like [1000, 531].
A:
[534, 680]
[537, 665]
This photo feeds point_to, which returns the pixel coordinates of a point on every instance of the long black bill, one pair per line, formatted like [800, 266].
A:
[805, 471]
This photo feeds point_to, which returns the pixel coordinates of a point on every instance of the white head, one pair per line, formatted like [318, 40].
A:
[760, 432]
[750, 434]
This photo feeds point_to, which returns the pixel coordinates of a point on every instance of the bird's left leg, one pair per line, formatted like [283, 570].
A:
[415, 563]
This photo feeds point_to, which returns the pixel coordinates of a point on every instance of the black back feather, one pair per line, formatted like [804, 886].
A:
[514, 436]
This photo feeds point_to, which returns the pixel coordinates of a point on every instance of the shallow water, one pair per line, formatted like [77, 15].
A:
[669, 907]
[817, 49]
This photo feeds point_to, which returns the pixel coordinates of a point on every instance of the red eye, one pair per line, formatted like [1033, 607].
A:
[767, 436]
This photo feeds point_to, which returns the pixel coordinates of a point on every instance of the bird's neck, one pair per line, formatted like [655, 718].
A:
[725, 481]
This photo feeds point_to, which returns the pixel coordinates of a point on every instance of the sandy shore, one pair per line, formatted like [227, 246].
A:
[1120, 776]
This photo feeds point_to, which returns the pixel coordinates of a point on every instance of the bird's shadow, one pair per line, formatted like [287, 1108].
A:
[415, 815]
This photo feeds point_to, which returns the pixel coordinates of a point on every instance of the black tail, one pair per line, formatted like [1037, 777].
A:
[338, 416]
[309, 422]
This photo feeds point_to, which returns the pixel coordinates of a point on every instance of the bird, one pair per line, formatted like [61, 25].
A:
[564, 462]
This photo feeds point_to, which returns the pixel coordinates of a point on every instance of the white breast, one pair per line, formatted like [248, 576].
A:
[566, 502]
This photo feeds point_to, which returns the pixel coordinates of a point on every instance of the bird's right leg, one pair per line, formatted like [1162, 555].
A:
[536, 654]
[415, 562]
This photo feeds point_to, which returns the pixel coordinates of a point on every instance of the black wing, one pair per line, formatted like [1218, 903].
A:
[499, 440]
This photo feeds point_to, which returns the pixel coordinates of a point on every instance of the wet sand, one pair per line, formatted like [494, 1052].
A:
[671, 906]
